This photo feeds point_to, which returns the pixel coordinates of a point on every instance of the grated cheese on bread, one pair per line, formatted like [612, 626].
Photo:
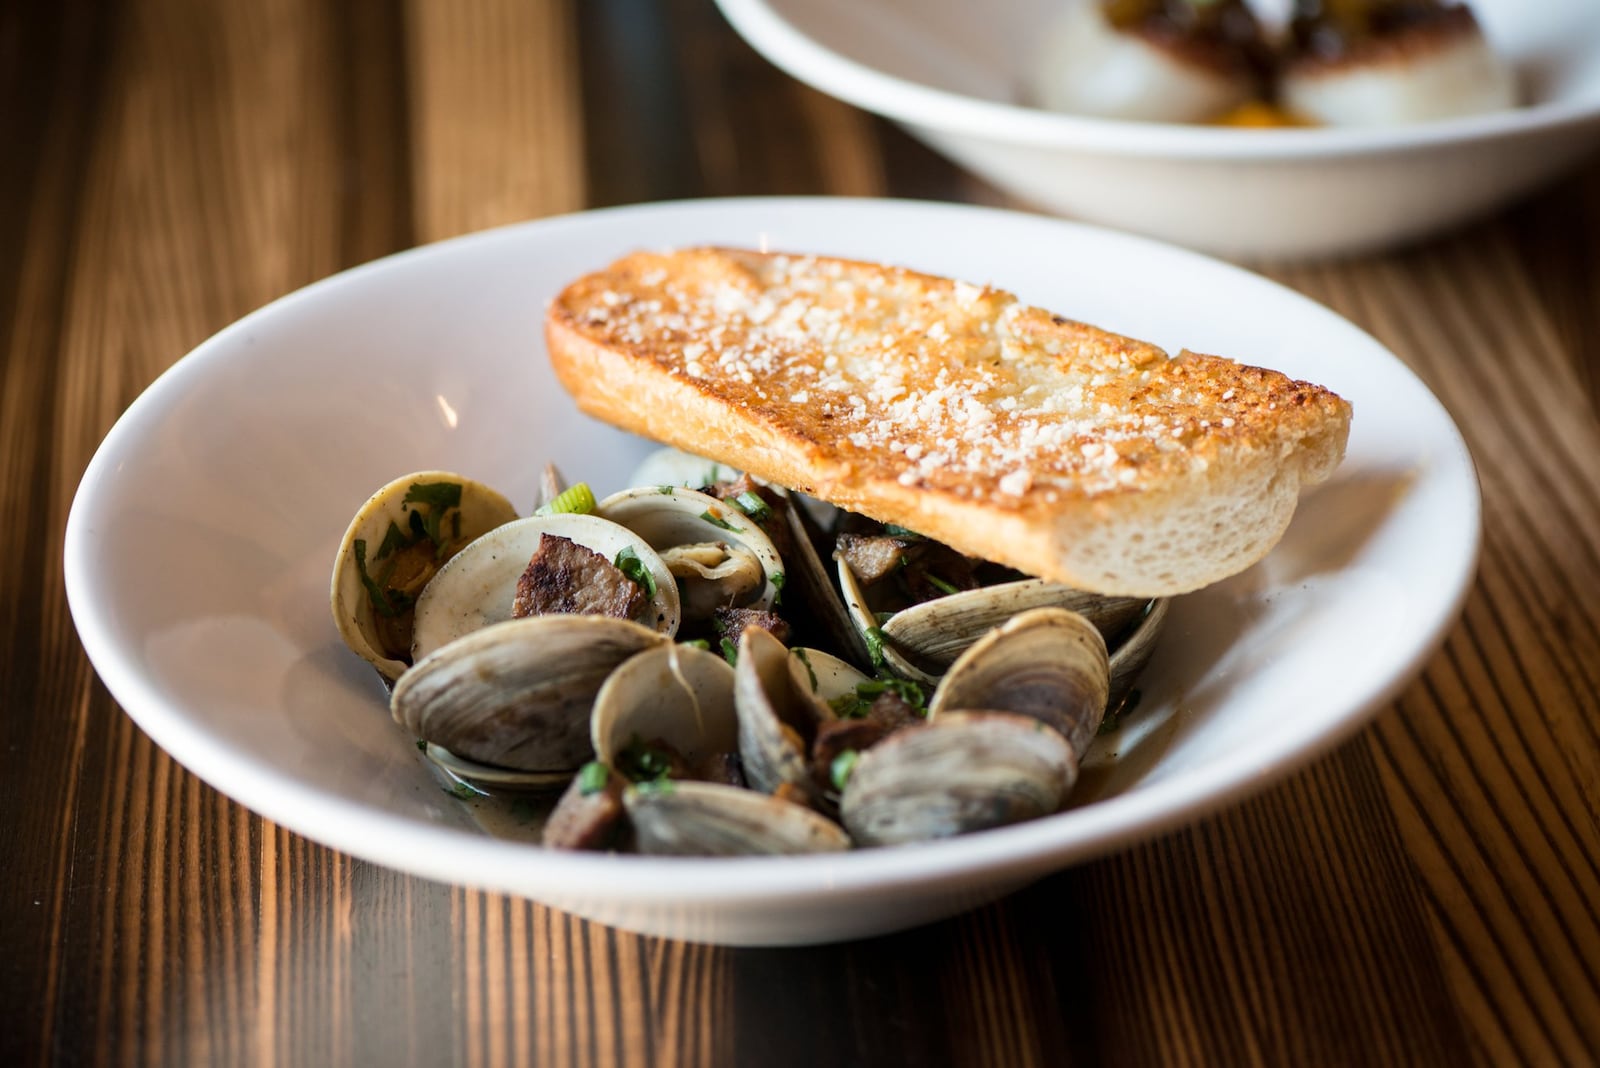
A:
[955, 410]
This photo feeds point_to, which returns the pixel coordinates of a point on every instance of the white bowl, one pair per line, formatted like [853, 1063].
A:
[200, 543]
[951, 71]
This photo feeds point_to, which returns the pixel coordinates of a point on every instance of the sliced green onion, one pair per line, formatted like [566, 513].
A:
[753, 506]
[576, 499]
[939, 583]
[592, 778]
[633, 568]
[875, 639]
[712, 518]
[843, 764]
[698, 643]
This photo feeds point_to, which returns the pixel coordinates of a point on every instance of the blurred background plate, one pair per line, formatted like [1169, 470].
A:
[953, 73]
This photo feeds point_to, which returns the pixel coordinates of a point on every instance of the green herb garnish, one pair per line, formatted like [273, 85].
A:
[422, 746]
[574, 500]
[777, 579]
[640, 762]
[849, 706]
[806, 660]
[939, 584]
[874, 638]
[592, 778]
[633, 568]
[440, 497]
[653, 788]
[697, 643]
[462, 791]
[843, 764]
[895, 530]
[380, 603]
[905, 689]
[753, 506]
[730, 651]
[711, 518]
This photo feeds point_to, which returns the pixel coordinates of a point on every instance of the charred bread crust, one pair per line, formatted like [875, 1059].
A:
[1009, 433]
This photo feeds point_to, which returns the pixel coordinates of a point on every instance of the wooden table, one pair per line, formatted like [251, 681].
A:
[1430, 893]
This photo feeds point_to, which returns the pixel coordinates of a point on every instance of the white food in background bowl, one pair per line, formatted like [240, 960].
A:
[952, 72]
[1442, 72]
[1090, 67]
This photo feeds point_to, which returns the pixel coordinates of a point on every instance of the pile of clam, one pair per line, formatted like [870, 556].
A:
[681, 663]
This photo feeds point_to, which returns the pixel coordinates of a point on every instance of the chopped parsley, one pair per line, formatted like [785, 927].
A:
[895, 530]
[730, 651]
[640, 762]
[905, 689]
[939, 584]
[778, 578]
[440, 497]
[711, 517]
[806, 660]
[697, 643]
[375, 593]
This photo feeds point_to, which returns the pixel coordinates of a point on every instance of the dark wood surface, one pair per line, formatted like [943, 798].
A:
[1429, 893]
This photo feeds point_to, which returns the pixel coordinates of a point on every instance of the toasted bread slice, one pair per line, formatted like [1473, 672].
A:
[955, 410]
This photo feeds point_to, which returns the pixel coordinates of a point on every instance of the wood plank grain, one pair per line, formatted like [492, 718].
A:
[495, 113]
[1493, 768]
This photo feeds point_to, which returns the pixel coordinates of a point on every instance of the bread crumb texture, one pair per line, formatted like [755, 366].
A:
[959, 392]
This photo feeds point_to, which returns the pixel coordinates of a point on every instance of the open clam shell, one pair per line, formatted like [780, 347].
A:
[1047, 663]
[779, 712]
[672, 519]
[922, 642]
[961, 772]
[518, 694]
[675, 694]
[388, 555]
[493, 777]
[709, 819]
[1133, 653]
[476, 587]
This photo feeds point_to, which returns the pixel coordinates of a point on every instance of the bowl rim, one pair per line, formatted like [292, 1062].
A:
[445, 854]
[943, 111]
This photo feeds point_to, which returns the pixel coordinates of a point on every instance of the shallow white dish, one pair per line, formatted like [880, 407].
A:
[951, 72]
[200, 543]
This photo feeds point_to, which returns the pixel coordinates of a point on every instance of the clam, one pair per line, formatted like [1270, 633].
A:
[1133, 652]
[779, 713]
[710, 819]
[1047, 663]
[1005, 732]
[517, 695]
[922, 641]
[960, 772]
[721, 556]
[393, 547]
[675, 694]
[476, 588]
